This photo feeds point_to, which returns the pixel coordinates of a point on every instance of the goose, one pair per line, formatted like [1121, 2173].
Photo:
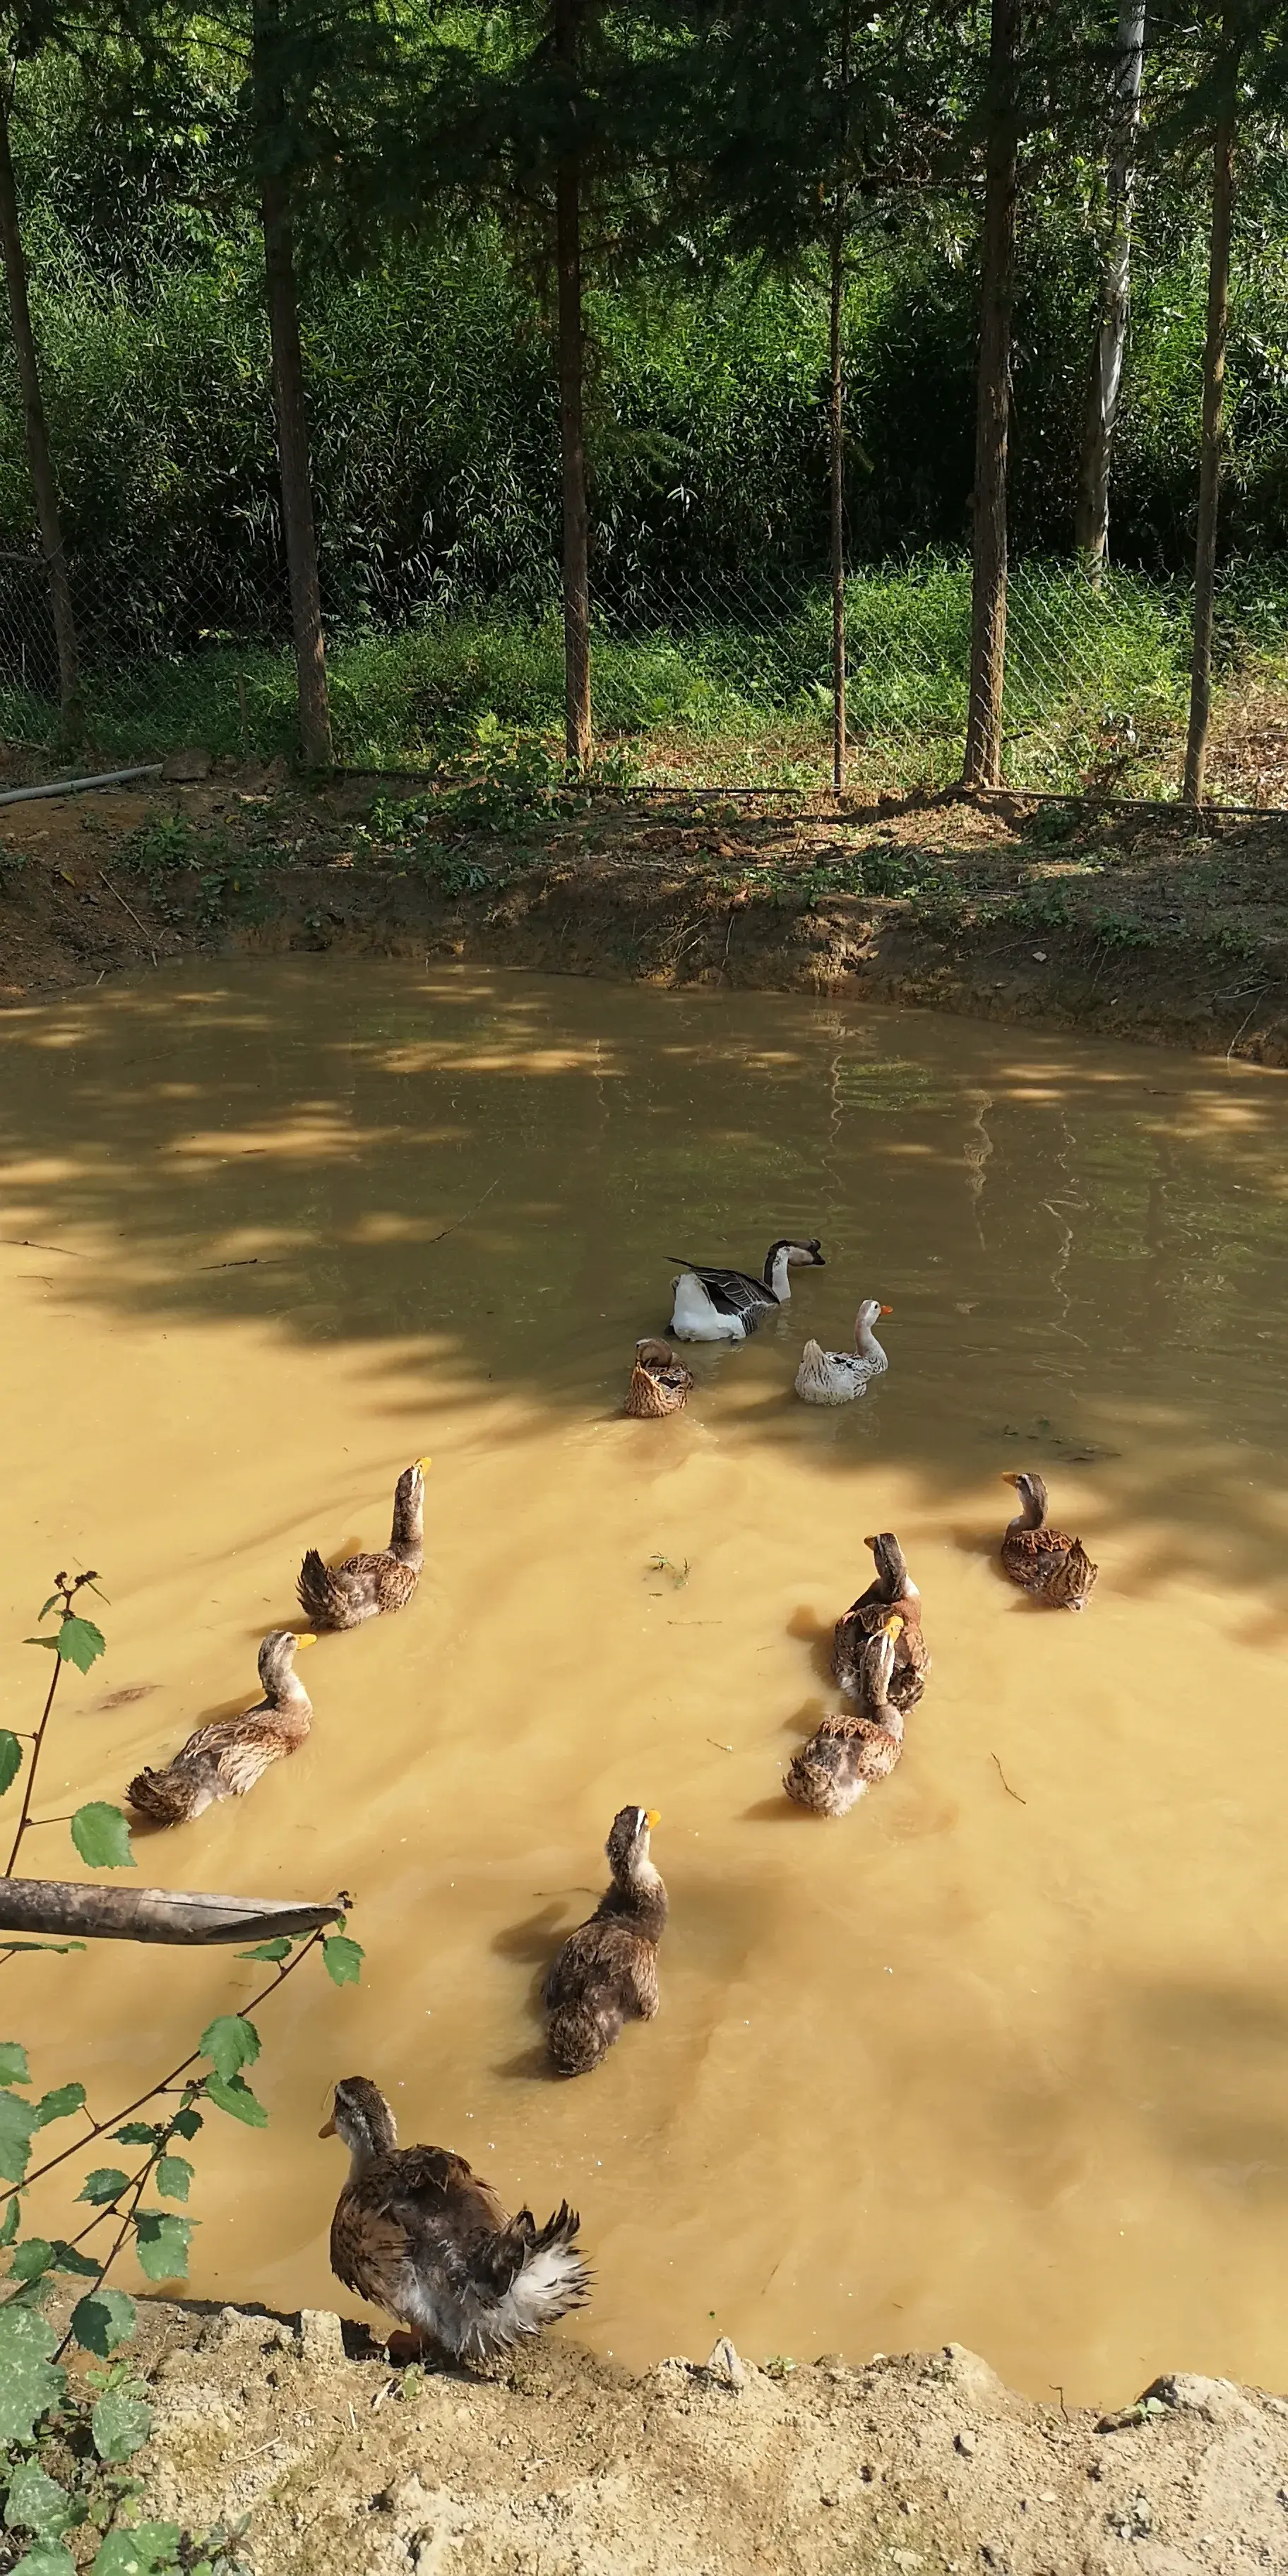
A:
[421, 2235]
[727, 1305]
[836, 1377]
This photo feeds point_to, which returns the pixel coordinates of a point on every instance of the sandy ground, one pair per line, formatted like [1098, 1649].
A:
[557, 2465]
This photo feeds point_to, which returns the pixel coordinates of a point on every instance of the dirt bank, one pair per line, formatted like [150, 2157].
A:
[1116, 922]
[560, 2466]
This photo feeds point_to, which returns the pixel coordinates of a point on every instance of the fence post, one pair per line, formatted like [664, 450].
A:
[1218, 314]
[36, 428]
[572, 442]
[982, 766]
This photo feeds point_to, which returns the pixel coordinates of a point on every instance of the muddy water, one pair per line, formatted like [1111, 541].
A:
[1004, 2055]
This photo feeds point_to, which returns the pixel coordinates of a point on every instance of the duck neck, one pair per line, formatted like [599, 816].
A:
[1030, 1515]
[865, 1341]
[291, 1705]
[778, 1275]
[408, 1540]
[896, 1582]
[638, 1893]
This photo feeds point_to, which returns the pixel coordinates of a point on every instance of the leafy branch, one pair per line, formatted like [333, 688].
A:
[100, 1832]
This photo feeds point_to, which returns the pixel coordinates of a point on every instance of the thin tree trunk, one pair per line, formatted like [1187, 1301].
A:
[1218, 314]
[983, 762]
[36, 430]
[572, 441]
[288, 395]
[1091, 525]
[836, 435]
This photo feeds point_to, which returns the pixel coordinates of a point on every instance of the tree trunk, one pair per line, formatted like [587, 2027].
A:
[836, 436]
[1218, 314]
[572, 443]
[1091, 526]
[36, 431]
[983, 762]
[288, 395]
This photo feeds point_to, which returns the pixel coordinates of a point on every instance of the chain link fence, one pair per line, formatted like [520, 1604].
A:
[698, 680]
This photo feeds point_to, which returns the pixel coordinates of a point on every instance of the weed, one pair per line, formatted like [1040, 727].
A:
[1121, 930]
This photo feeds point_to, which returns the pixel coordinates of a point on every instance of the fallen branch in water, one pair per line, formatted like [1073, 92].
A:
[1011, 1793]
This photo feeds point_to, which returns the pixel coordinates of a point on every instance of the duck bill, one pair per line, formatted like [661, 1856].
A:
[328, 2128]
[885, 1310]
[652, 1816]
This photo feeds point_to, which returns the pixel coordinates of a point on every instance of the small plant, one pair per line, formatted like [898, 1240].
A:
[63, 2454]
[1121, 930]
[170, 843]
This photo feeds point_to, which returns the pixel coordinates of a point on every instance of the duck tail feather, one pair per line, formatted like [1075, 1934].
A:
[322, 1596]
[580, 2034]
[173, 1796]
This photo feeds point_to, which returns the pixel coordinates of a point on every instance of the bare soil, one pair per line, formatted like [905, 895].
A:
[558, 2465]
[1145, 924]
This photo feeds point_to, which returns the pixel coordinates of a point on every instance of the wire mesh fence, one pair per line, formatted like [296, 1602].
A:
[699, 680]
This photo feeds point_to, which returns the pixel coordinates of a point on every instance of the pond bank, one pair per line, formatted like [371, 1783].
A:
[559, 2465]
[1117, 923]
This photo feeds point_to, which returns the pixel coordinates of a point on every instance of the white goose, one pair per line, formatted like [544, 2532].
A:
[727, 1305]
[836, 1377]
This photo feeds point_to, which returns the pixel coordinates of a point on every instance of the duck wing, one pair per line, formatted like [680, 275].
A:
[732, 1292]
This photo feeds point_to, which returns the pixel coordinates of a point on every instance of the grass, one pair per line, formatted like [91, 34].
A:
[1095, 698]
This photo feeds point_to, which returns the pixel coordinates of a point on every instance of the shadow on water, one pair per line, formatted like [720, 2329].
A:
[476, 1176]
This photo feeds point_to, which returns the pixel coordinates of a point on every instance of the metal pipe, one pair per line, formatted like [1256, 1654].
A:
[77, 786]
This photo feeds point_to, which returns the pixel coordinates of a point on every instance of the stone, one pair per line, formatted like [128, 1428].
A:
[185, 767]
[321, 2335]
[725, 2365]
[1217, 2399]
[966, 2443]
[238, 2325]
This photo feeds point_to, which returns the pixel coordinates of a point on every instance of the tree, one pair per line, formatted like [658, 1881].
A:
[1105, 378]
[31, 29]
[982, 766]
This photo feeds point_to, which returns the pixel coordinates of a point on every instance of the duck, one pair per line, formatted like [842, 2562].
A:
[727, 1305]
[846, 1754]
[660, 1383]
[836, 1377]
[1041, 1560]
[342, 1596]
[226, 1759]
[421, 2235]
[893, 1589]
[606, 1972]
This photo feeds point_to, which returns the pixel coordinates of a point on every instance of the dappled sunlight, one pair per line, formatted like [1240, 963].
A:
[266, 1239]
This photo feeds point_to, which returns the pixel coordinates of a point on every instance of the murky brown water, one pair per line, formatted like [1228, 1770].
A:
[1000, 2062]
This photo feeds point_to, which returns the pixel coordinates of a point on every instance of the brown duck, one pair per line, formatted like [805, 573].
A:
[419, 2233]
[893, 1587]
[846, 1754]
[342, 1596]
[660, 1382]
[606, 1972]
[1041, 1560]
[226, 1759]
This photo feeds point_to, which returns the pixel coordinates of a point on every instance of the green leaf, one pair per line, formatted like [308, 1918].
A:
[186, 2123]
[103, 2319]
[148, 2550]
[44, 1614]
[29, 2381]
[173, 2175]
[137, 2133]
[343, 1959]
[10, 2227]
[230, 2043]
[162, 2244]
[238, 2100]
[50, 1642]
[121, 2423]
[13, 2062]
[106, 2182]
[48, 2558]
[10, 1759]
[31, 2258]
[60, 2104]
[62, 1947]
[37, 2503]
[102, 1836]
[80, 1643]
[19, 2121]
[268, 1949]
[69, 2258]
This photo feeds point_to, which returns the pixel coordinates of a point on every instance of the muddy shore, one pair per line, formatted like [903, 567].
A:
[1117, 923]
[559, 2465]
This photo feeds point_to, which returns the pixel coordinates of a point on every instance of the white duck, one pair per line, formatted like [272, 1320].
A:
[727, 1305]
[836, 1377]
